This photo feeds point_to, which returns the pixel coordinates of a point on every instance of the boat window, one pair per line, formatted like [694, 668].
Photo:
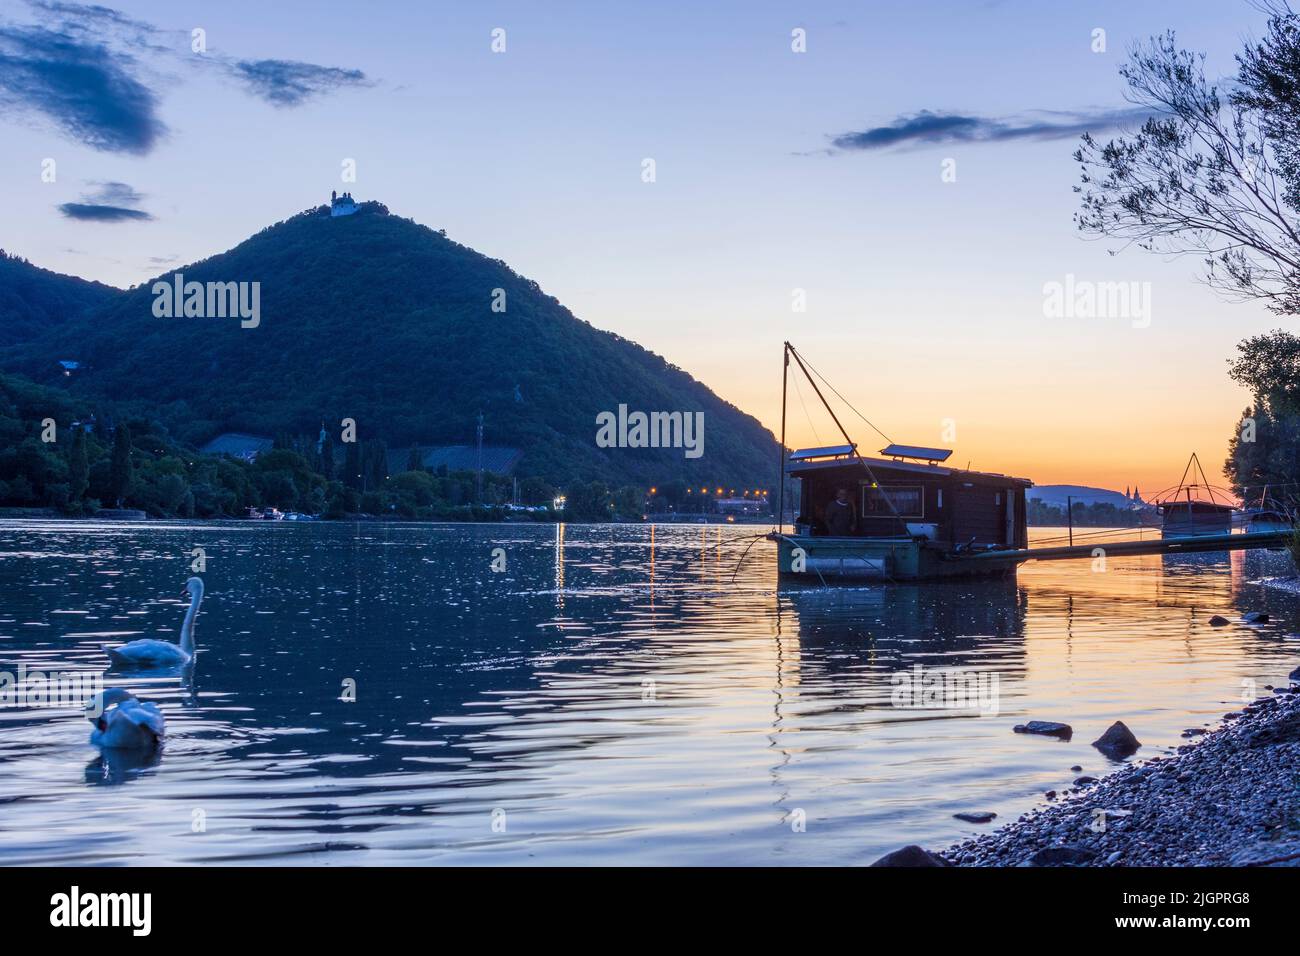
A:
[907, 500]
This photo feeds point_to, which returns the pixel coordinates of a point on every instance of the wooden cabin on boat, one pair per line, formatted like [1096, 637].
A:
[911, 494]
[909, 514]
[1190, 517]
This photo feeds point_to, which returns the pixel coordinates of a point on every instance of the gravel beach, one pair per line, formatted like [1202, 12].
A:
[1231, 798]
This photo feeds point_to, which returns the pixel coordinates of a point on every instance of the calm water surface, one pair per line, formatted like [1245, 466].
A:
[619, 694]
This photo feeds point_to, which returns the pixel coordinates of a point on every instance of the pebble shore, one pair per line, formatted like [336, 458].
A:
[1232, 798]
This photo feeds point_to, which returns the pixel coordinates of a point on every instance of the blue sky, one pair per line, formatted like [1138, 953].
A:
[924, 296]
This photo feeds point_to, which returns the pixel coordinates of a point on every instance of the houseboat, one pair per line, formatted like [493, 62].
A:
[1269, 520]
[1269, 514]
[901, 517]
[1194, 507]
[908, 516]
[905, 516]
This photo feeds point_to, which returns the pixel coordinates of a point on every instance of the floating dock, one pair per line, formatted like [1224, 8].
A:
[850, 559]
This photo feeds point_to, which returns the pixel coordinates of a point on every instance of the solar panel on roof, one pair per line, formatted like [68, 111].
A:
[830, 451]
[917, 451]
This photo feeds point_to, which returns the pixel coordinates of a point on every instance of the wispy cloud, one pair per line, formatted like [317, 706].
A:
[928, 128]
[78, 70]
[107, 202]
[83, 87]
[291, 83]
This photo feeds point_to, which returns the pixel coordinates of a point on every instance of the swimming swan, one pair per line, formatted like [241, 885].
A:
[152, 653]
[123, 723]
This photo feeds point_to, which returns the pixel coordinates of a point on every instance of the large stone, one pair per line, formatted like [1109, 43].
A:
[976, 816]
[1062, 856]
[1255, 617]
[1046, 728]
[1117, 742]
[1282, 730]
[911, 855]
[1218, 620]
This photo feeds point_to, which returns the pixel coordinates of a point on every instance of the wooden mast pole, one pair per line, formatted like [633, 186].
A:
[780, 498]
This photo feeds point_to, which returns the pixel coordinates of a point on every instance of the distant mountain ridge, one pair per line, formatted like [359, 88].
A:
[34, 300]
[379, 319]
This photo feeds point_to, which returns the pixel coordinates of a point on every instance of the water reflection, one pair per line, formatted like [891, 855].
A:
[615, 694]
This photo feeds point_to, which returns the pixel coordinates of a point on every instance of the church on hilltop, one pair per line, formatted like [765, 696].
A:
[342, 205]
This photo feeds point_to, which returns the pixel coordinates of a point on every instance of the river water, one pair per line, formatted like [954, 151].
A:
[616, 694]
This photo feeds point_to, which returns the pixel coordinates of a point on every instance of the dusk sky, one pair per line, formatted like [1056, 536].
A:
[774, 171]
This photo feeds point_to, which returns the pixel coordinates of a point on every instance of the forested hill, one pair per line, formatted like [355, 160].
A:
[379, 319]
[34, 300]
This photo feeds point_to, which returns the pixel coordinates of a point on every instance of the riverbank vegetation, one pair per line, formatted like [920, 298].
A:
[58, 453]
[1098, 514]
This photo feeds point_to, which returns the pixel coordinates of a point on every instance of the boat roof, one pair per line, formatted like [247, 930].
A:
[802, 465]
[1195, 504]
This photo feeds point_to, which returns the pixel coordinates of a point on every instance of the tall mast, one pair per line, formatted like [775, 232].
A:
[791, 350]
[780, 498]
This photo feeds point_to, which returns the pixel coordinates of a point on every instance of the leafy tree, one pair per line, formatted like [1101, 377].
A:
[78, 465]
[327, 457]
[536, 491]
[1212, 176]
[352, 476]
[376, 463]
[587, 501]
[1264, 450]
[121, 473]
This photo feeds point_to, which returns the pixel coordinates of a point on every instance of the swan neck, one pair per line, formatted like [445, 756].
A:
[187, 628]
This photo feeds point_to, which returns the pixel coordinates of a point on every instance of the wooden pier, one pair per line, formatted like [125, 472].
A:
[1113, 549]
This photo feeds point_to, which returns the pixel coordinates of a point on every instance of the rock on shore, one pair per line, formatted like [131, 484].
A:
[1230, 799]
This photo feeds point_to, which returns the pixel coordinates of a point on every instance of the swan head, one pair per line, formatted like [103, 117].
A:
[98, 705]
[193, 589]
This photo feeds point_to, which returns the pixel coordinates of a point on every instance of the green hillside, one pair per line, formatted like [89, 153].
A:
[33, 301]
[376, 318]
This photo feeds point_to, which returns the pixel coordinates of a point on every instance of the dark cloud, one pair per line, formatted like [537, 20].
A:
[90, 212]
[107, 202]
[79, 70]
[82, 86]
[290, 83]
[927, 128]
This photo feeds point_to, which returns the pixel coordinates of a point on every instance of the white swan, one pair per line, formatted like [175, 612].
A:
[153, 653]
[124, 723]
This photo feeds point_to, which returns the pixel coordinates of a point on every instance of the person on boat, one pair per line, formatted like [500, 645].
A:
[840, 518]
